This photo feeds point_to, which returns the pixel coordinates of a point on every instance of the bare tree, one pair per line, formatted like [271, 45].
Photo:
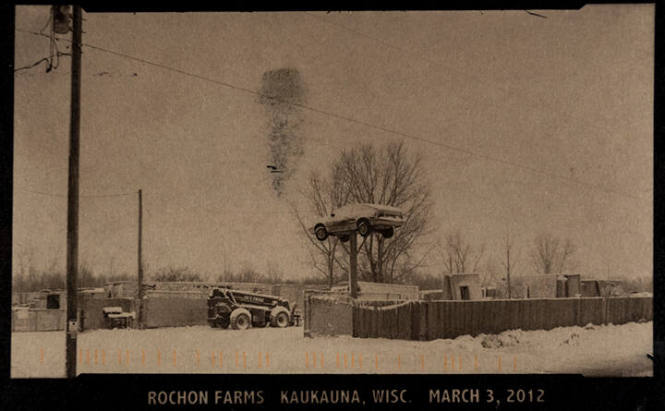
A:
[322, 196]
[366, 174]
[171, 273]
[274, 273]
[568, 249]
[490, 271]
[550, 255]
[459, 256]
[389, 176]
[511, 260]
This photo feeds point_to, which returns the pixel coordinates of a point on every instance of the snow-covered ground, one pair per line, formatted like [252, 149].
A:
[610, 350]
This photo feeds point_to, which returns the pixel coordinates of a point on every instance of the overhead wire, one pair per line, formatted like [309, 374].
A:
[81, 195]
[357, 121]
[54, 52]
[475, 78]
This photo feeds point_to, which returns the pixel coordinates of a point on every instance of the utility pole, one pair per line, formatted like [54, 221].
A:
[73, 195]
[353, 271]
[508, 269]
[140, 258]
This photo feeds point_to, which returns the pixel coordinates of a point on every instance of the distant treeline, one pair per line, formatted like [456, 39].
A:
[38, 280]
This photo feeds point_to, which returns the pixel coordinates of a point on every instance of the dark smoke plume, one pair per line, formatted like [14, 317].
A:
[282, 92]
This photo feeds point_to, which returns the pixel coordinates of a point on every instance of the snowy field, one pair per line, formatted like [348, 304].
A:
[592, 350]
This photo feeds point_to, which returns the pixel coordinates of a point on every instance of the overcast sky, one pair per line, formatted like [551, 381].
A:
[556, 111]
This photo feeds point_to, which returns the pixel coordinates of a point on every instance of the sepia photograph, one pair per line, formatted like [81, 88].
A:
[311, 192]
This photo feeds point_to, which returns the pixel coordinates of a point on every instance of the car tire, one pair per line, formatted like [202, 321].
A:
[320, 232]
[388, 232]
[363, 227]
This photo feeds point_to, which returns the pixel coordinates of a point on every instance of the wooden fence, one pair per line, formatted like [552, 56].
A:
[449, 319]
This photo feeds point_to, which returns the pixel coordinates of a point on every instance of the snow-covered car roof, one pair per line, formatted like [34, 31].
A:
[362, 209]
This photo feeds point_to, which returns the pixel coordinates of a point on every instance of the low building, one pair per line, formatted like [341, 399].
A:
[461, 287]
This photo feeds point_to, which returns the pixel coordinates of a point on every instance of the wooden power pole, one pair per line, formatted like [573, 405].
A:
[353, 269]
[73, 196]
[140, 262]
[508, 270]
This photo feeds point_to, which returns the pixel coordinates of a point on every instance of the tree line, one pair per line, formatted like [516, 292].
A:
[385, 174]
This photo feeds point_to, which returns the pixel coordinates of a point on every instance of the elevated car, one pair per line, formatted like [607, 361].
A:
[364, 217]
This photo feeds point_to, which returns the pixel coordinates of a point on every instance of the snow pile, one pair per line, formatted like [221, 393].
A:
[607, 350]
[505, 339]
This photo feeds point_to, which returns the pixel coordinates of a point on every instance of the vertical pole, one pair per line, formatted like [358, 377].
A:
[140, 262]
[353, 272]
[508, 269]
[73, 196]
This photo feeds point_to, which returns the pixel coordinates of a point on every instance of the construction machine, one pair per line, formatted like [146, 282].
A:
[242, 309]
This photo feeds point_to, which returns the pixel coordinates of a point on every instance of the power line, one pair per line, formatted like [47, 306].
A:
[82, 195]
[421, 56]
[360, 122]
[48, 59]
[29, 66]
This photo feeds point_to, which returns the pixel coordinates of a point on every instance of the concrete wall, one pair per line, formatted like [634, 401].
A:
[121, 289]
[327, 315]
[573, 285]
[38, 320]
[432, 295]
[174, 311]
[375, 291]
[199, 294]
[291, 292]
[589, 288]
[371, 291]
[91, 316]
[541, 286]
[24, 297]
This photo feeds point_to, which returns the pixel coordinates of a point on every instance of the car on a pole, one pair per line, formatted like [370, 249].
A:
[363, 217]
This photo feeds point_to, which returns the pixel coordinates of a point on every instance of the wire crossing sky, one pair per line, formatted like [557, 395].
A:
[527, 125]
[387, 130]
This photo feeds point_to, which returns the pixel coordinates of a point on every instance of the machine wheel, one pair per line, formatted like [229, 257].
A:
[321, 232]
[240, 319]
[280, 320]
[363, 227]
[222, 322]
[388, 232]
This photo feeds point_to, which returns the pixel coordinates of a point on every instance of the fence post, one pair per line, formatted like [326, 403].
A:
[603, 310]
[354, 320]
[415, 311]
[306, 313]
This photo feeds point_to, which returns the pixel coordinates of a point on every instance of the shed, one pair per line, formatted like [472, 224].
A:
[461, 287]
